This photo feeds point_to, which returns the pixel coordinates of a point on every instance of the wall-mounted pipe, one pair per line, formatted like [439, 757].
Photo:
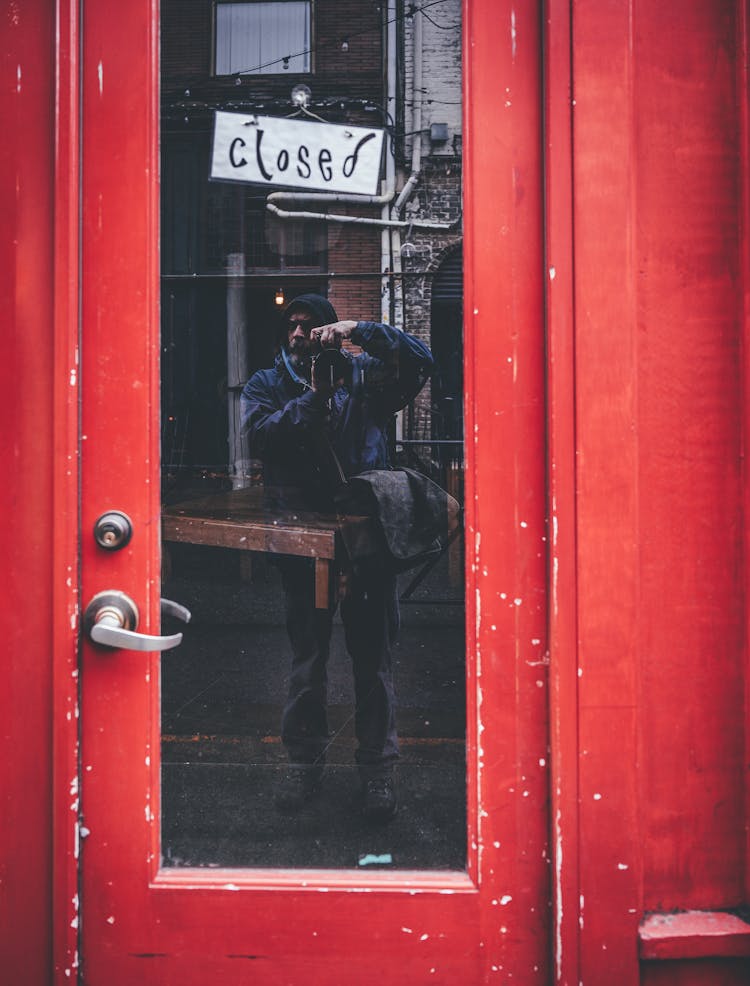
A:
[416, 145]
[340, 198]
[387, 310]
[360, 220]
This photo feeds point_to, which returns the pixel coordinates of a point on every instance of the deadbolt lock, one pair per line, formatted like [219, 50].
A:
[113, 530]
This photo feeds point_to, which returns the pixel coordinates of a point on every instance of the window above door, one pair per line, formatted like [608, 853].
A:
[262, 38]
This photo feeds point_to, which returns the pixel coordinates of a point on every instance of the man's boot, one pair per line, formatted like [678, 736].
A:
[379, 802]
[299, 784]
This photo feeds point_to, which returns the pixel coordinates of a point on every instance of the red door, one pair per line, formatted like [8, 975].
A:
[144, 921]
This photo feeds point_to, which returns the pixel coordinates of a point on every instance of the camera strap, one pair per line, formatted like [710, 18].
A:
[331, 468]
[293, 373]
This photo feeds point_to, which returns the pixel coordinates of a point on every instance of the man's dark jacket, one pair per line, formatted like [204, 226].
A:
[286, 421]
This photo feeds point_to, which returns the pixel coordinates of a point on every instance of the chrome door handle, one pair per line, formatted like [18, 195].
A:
[111, 619]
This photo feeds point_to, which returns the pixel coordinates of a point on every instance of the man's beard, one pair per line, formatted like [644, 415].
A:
[301, 360]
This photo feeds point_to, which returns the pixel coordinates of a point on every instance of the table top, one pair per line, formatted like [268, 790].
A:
[255, 505]
[246, 518]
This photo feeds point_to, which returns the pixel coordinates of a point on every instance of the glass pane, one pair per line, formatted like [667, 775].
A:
[314, 715]
[262, 38]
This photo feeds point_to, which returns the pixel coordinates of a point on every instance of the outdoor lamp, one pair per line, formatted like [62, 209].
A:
[301, 95]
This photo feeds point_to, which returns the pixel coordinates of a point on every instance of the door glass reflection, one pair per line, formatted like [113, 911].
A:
[312, 438]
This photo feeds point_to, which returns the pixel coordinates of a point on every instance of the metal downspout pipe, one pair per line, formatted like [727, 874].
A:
[416, 147]
[416, 167]
[387, 260]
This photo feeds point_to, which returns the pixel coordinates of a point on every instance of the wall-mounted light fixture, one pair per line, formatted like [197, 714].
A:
[278, 298]
[301, 96]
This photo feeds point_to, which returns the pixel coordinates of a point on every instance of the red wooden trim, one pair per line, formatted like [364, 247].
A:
[472, 785]
[65, 574]
[26, 449]
[120, 316]
[693, 935]
[563, 662]
[505, 482]
[153, 313]
[604, 183]
[311, 881]
[743, 81]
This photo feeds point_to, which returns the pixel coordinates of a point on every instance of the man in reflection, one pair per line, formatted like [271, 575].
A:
[313, 426]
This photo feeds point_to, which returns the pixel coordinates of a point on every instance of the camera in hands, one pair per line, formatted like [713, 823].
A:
[332, 365]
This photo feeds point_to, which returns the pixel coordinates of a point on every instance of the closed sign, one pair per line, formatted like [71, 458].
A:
[267, 150]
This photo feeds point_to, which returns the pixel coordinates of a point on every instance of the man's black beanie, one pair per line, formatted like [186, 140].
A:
[320, 308]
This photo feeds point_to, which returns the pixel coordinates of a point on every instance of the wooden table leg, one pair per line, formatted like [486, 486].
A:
[322, 579]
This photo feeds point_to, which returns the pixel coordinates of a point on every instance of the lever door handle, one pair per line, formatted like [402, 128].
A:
[111, 619]
[178, 611]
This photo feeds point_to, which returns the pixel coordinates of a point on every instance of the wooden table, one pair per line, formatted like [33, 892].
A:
[239, 519]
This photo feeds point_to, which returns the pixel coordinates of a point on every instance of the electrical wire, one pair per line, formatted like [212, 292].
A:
[442, 27]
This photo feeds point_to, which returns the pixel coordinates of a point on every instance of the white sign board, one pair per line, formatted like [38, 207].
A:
[273, 151]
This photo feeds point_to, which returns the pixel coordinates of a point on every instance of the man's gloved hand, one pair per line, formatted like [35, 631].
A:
[330, 336]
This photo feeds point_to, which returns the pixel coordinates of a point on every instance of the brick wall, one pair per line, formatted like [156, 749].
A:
[438, 198]
[354, 249]
[437, 195]
[348, 44]
[186, 30]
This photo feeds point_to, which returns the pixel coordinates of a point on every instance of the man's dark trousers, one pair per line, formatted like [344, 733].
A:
[369, 612]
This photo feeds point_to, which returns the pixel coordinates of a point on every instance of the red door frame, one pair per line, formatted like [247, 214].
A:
[599, 725]
[561, 480]
[66, 496]
[743, 86]
[505, 480]
[491, 922]
[39, 530]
